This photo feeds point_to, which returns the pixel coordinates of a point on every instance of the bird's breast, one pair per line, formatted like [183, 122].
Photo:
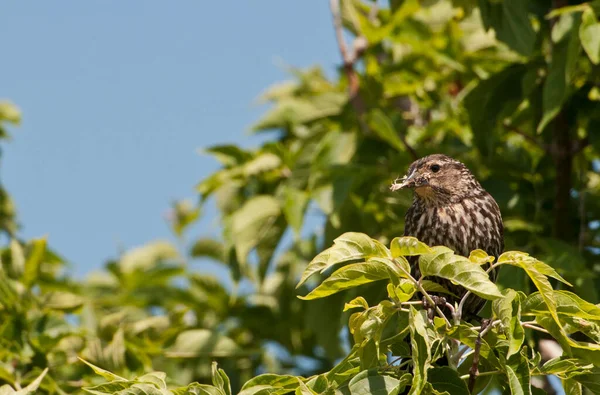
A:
[463, 226]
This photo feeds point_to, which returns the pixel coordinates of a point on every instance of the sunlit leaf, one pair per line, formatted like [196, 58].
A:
[349, 276]
[194, 343]
[348, 247]
[421, 355]
[589, 34]
[508, 309]
[442, 262]
[408, 246]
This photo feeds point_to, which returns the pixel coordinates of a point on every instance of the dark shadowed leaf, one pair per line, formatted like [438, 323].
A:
[447, 379]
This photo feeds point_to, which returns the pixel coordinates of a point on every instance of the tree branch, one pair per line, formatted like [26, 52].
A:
[349, 58]
[425, 294]
[486, 325]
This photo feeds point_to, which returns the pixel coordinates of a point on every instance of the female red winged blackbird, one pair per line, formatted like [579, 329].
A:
[451, 208]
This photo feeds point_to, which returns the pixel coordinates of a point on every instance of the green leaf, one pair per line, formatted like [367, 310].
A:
[158, 379]
[589, 34]
[101, 372]
[557, 86]
[251, 222]
[408, 246]
[431, 286]
[508, 309]
[195, 343]
[17, 256]
[274, 381]
[537, 272]
[208, 248]
[64, 301]
[421, 349]
[303, 389]
[510, 20]
[565, 367]
[228, 154]
[468, 336]
[572, 387]
[294, 111]
[514, 383]
[442, 262]
[591, 381]
[518, 373]
[480, 257]
[295, 202]
[183, 214]
[35, 256]
[370, 382]
[9, 112]
[31, 389]
[197, 389]
[348, 247]
[447, 379]
[148, 256]
[349, 276]
[402, 292]
[220, 379]
[567, 304]
[487, 101]
[359, 301]
[384, 129]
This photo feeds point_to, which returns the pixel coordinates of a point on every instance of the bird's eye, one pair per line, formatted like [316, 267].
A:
[435, 168]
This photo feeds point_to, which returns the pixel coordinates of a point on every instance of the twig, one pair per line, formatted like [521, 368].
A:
[425, 294]
[534, 327]
[392, 366]
[492, 372]
[408, 147]
[349, 59]
[494, 323]
[486, 325]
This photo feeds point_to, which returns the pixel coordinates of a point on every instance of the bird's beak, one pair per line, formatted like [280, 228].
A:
[406, 182]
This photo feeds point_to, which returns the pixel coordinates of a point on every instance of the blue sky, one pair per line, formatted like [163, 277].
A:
[117, 98]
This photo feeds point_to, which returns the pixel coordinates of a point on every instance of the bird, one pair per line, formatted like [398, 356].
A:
[451, 208]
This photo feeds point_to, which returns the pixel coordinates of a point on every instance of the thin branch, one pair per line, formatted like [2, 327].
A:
[534, 327]
[494, 323]
[466, 376]
[425, 294]
[408, 147]
[349, 59]
[486, 325]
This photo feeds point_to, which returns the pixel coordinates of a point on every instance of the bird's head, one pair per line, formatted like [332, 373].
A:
[438, 177]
